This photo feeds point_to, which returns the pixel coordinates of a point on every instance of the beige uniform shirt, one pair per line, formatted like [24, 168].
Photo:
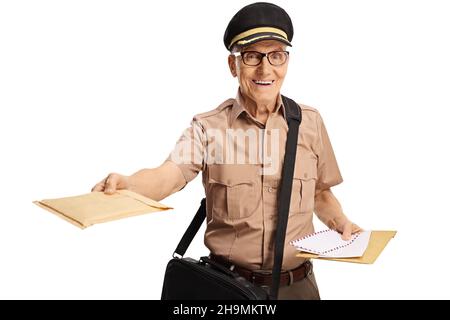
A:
[241, 161]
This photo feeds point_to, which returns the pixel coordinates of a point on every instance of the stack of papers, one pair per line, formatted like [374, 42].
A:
[319, 244]
[329, 243]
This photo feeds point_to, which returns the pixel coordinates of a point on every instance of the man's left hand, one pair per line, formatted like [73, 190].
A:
[346, 227]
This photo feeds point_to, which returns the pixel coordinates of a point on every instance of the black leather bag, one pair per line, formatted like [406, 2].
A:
[191, 279]
[204, 279]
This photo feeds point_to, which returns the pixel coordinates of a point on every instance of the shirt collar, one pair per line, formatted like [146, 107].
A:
[238, 107]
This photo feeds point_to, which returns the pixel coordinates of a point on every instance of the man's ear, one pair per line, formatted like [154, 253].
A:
[232, 65]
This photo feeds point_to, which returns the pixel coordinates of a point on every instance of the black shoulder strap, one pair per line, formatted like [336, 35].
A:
[192, 230]
[294, 118]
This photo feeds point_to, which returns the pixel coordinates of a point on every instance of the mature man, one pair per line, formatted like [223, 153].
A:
[239, 148]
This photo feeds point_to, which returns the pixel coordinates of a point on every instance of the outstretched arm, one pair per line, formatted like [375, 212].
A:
[156, 183]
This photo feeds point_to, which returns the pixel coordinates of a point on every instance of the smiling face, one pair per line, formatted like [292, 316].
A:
[260, 83]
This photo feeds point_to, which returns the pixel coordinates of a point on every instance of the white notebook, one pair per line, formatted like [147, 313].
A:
[328, 243]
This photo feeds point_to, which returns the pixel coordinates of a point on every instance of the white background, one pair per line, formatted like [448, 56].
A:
[92, 87]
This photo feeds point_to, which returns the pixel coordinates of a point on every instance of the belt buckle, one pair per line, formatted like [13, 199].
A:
[291, 277]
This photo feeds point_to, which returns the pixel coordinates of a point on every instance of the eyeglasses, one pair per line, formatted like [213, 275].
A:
[254, 58]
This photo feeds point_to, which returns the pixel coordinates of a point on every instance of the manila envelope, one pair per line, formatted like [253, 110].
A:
[97, 207]
[378, 241]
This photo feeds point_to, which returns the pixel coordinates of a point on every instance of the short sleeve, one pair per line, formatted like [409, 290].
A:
[188, 153]
[328, 173]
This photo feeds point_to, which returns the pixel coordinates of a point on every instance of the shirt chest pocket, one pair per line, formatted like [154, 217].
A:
[232, 191]
[303, 186]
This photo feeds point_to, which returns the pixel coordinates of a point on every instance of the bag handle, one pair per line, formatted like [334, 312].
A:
[219, 266]
[294, 118]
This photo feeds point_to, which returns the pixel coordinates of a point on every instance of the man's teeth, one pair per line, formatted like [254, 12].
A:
[263, 82]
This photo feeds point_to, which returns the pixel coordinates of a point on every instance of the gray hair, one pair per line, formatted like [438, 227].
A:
[235, 48]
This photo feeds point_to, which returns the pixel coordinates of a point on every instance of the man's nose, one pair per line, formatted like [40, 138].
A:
[264, 66]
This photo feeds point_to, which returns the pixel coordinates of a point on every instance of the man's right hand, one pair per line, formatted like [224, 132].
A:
[112, 182]
[156, 183]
